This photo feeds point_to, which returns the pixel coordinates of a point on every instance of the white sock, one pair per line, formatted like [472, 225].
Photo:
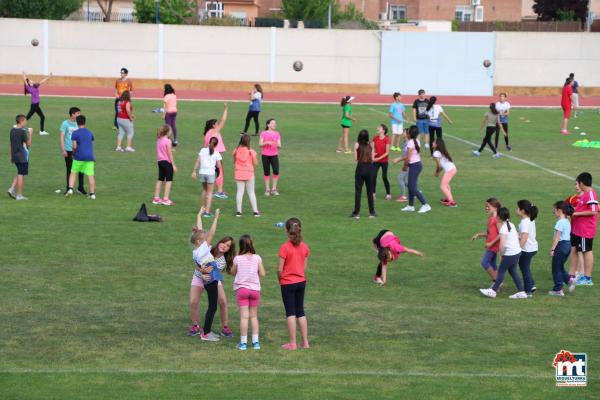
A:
[254, 338]
[243, 339]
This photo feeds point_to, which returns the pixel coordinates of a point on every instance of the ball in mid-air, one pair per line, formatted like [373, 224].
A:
[487, 63]
[297, 66]
[34, 42]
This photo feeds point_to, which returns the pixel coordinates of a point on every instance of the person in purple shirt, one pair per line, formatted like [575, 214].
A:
[33, 88]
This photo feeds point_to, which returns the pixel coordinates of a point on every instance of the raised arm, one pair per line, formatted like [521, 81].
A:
[221, 122]
[213, 227]
[46, 79]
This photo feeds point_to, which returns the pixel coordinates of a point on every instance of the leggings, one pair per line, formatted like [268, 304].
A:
[212, 291]
[293, 299]
[414, 170]
[403, 182]
[69, 164]
[505, 126]
[268, 162]
[561, 255]
[35, 108]
[170, 120]
[433, 131]
[252, 115]
[384, 169]
[249, 186]
[125, 127]
[508, 263]
[489, 131]
[525, 266]
[116, 112]
[363, 176]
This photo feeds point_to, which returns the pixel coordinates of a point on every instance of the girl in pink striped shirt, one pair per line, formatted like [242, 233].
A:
[247, 269]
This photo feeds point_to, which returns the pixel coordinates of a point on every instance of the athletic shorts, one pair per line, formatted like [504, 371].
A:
[397, 129]
[345, 126]
[423, 125]
[581, 244]
[200, 282]
[247, 297]
[575, 98]
[22, 168]
[204, 178]
[567, 112]
[489, 260]
[165, 171]
[85, 167]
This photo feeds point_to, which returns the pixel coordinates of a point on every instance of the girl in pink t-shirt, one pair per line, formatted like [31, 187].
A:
[244, 159]
[166, 165]
[247, 269]
[270, 142]
[213, 128]
[170, 110]
[388, 248]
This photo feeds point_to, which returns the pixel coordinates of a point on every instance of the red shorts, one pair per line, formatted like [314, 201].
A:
[247, 297]
[566, 111]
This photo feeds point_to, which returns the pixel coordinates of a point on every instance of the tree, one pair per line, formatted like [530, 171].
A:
[561, 10]
[39, 9]
[309, 10]
[106, 9]
[169, 11]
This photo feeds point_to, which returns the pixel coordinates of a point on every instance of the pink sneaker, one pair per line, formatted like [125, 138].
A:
[156, 200]
[565, 132]
[167, 202]
[388, 196]
[289, 346]
[305, 345]
[402, 199]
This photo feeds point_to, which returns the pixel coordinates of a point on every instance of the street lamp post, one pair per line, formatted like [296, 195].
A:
[156, 11]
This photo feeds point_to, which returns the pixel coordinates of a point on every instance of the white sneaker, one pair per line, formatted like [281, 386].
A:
[408, 208]
[209, 337]
[518, 295]
[119, 148]
[497, 155]
[93, 196]
[44, 133]
[129, 149]
[69, 193]
[572, 285]
[424, 208]
[426, 145]
[488, 292]
[476, 153]
[21, 197]
[12, 192]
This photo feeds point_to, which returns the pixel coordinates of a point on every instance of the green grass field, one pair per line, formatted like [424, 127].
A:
[93, 305]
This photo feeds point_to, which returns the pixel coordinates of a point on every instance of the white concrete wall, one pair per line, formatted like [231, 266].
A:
[546, 59]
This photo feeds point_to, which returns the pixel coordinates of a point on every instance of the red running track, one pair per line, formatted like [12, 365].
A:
[294, 97]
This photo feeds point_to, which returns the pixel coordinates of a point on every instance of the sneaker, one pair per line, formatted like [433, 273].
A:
[581, 281]
[378, 281]
[289, 346]
[518, 295]
[355, 216]
[226, 332]
[44, 133]
[451, 204]
[408, 208]
[256, 214]
[242, 346]
[533, 289]
[530, 295]
[424, 208]
[238, 214]
[426, 145]
[274, 192]
[156, 200]
[496, 155]
[267, 193]
[21, 197]
[209, 337]
[476, 153]
[119, 148]
[571, 285]
[195, 330]
[167, 202]
[129, 149]
[577, 275]
[565, 132]
[256, 345]
[82, 191]
[12, 192]
[443, 200]
[339, 150]
[402, 199]
[92, 196]
[388, 197]
[221, 195]
[508, 148]
[488, 292]
[69, 193]
[376, 278]
[371, 216]
[207, 215]
[556, 293]
[346, 152]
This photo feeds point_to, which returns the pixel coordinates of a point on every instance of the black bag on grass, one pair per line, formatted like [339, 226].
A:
[143, 216]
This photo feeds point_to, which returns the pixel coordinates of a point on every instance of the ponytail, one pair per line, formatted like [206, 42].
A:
[293, 227]
[504, 216]
[565, 207]
[530, 210]
[212, 144]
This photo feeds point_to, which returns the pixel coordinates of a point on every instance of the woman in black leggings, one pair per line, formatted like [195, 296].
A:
[364, 174]
[491, 121]
[256, 97]
[33, 88]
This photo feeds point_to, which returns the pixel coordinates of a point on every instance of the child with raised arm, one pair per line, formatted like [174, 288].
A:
[247, 269]
[388, 248]
[33, 88]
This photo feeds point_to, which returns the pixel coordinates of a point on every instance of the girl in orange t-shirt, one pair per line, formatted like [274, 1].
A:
[293, 260]
[245, 160]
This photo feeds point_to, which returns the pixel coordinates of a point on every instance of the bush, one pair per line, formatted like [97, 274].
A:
[225, 21]
[268, 22]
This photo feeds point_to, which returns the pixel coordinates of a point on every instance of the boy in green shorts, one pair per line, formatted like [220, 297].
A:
[83, 157]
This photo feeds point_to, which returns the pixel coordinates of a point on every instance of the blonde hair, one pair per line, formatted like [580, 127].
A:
[164, 130]
[198, 236]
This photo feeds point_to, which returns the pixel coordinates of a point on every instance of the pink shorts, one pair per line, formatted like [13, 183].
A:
[200, 282]
[247, 297]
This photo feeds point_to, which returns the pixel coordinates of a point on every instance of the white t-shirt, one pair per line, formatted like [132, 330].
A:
[257, 95]
[446, 164]
[201, 255]
[502, 107]
[434, 112]
[208, 162]
[511, 239]
[528, 226]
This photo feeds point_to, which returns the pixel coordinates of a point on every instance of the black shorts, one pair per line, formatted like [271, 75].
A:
[268, 162]
[165, 171]
[581, 244]
[344, 126]
[22, 168]
[293, 299]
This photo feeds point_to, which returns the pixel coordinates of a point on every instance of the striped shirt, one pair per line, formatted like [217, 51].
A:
[247, 272]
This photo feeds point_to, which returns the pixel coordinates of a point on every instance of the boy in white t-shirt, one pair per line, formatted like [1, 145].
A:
[397, 116]
[206, 164]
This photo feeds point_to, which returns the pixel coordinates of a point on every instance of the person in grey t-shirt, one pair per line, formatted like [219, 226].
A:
[20, 141]
[491, 122]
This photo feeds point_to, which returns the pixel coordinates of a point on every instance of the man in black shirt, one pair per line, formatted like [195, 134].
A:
[420, 115]
[20, 141]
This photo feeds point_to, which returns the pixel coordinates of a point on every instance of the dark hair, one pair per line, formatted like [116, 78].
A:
[384, 127]
[493, 109]
[503, 94]
[246, 245]
[440, 146]
[19, 118]
[364, 151]
[568, 81]
[504, 216]
[413, 133]
[168, 89]
[494, 202]
[229, 254]
[421, 91]
[212, 143]
[571, 75]
[244, 140]
[124, 70]
[293, 226]
[73, 110]
[80, 120]
[259, 89]
[396, 95]
[268, 122]
[209, 125]
[126, 95]
[345, 100]
[585, 178]
[565, 207]
[432, 101]
[384, 254]
[530, 210]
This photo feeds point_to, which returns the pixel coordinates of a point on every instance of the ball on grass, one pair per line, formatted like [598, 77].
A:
[297, 66]
[487, 63]
[34, 42]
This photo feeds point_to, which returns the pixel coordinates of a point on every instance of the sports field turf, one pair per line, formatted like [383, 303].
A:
[93, 305]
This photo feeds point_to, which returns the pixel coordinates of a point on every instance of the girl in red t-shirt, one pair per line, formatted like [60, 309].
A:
[566, 103]
[492, 238]
[382, 144]
[293, 260]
